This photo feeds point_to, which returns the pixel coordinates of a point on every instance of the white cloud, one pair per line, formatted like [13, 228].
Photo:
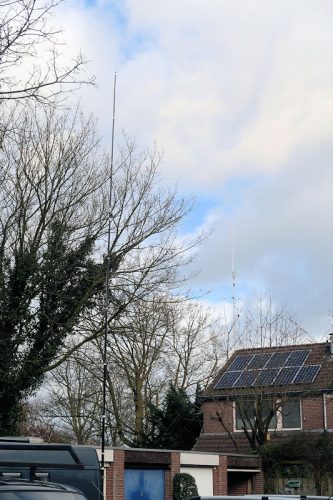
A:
[231, 90]
[233, 86]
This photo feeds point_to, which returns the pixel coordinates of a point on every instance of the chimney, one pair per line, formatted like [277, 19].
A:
[330, 344]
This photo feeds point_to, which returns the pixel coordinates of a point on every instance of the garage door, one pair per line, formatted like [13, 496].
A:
[144, 484]
[203, 477]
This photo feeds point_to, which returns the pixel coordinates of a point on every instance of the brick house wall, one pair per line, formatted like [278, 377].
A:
[211, 422]
[313, 413]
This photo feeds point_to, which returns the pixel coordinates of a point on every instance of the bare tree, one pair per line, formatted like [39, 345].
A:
[135, 348]
[266, 323]
[74, 399]
[154, 342]
[135, 375]
[36, 422]
[31, 64]
[193, 346]
[53, 200]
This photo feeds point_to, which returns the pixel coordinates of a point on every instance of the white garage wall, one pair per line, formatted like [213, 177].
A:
[203, 477]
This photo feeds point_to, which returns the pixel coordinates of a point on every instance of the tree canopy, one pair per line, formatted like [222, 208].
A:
[53, 220]
[177, 424]
[32, 66]
[310, 452]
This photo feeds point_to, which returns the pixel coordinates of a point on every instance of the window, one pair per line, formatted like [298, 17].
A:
[287, 416]
[244, 414]
[267, 413]
[248, 411]
[291, 414]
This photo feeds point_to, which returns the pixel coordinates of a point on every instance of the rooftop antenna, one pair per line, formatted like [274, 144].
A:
[107, 279]
[233, 280]
[233, 274]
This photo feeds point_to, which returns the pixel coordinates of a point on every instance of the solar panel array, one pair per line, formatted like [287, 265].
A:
[264, 369]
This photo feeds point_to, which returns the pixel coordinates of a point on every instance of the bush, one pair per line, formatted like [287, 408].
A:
[184, 486]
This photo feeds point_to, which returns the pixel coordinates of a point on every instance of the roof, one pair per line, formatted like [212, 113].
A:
[222, 443]
[296, 368]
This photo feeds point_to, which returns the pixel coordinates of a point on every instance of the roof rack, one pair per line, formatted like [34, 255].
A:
[22, 439]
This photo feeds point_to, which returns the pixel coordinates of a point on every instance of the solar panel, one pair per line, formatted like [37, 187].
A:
[259, 360]
[240, 362]
[278, 359]
[228, 379]
[307, 374]
[286, 375]
[246, 378]
[267, 376]
[297, 358]
[265, 368]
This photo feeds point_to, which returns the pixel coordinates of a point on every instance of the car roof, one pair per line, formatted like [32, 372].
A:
[25, 485]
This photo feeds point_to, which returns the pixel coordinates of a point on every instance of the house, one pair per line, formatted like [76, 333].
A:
[265, 395]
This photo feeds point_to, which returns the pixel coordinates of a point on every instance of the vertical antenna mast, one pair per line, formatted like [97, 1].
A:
[107, 279]
[233, 274]
[233, 280]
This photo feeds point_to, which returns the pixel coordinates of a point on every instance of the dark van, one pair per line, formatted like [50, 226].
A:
[72, 465]
[35, 490]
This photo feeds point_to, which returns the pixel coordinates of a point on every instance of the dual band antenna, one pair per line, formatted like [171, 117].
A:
[107, 280]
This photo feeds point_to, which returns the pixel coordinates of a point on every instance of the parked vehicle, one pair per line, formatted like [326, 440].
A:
[35, 490]
[72, 465]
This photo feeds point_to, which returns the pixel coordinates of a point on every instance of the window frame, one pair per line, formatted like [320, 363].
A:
[299, 400]
[279, 417]
[271, 429]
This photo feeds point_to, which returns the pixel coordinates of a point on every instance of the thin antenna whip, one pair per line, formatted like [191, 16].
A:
[233, 274]
[233, 280]
[107, 279]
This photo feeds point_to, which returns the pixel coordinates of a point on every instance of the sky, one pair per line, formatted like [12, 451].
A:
[238, 94]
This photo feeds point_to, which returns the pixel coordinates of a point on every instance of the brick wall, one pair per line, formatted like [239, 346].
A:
[170, 473]
[258, 483]
[118, 489]
[115, 473]
[220, 477]
[108, 492]
[244, 483]
[210, 419]
[312, 413]
[238, 483]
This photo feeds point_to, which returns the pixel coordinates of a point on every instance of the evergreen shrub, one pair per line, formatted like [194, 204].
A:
[184, 486]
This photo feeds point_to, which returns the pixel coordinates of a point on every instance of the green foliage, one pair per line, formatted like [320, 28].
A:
[313, 454]
[62, 279]
[177, 424]
[293, 470]
[184, 486]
